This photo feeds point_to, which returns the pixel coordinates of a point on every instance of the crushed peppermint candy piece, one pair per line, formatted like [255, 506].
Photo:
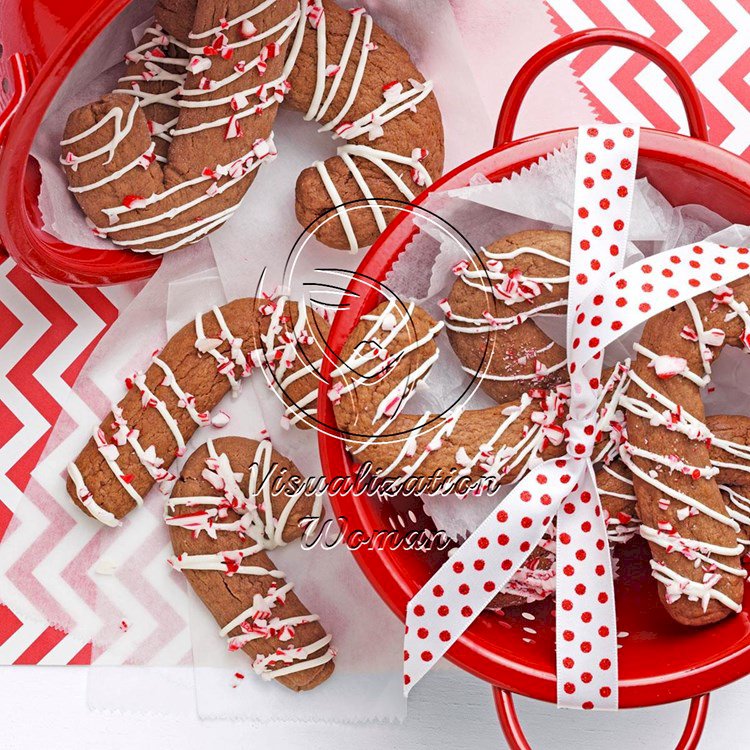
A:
[462, 457]
[689, 333]
[392, 90]
[686, 512]
[434, 444]
[714, 337]
[388, 322]
[147, 158]
[334, 393]
[234, 129]
[261, 148]
[667, 366]
[247, 29]
[418, 173]
[198, 64]
[204, 345]
[220, 420]
[271, 50]
[239, 101]
[134, 201]
[314, 12]
[445, 306]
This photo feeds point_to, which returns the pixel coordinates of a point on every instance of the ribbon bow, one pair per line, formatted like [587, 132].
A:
[605, 301]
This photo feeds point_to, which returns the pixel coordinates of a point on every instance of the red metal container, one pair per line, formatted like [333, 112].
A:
[660, 661]
[41, 41]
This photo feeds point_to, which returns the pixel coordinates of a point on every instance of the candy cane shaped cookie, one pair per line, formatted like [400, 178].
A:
[199, 97]
[693, 537]
[139, 439]
[363, 89]
[489, 312]
[236, 499]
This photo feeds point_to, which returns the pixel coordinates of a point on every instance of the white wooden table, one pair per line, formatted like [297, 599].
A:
[448, 710]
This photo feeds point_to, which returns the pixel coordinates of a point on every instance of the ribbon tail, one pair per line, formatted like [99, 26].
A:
[458, 592]
[586, 628]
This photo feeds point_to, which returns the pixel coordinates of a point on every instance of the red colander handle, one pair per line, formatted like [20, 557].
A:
[676, 73]
[506, 711]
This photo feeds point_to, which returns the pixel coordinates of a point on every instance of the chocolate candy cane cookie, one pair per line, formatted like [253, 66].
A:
[139, 439]
[693, 537]
[226, 104]
[235, 500]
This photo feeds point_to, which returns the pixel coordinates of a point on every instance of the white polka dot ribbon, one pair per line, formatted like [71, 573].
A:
[586, 634]
[605, 301]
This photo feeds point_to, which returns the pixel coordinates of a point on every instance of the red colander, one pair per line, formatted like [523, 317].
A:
[40, 42]
[660, 661]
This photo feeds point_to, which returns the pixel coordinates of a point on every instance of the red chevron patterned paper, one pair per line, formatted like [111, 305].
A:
[709, 37]
[47, 333]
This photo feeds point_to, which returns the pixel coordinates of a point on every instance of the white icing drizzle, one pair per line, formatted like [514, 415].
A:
[149, 399]
[738, 507]
[685, 373]
[184, 400]
[110, 453]
[298, 658]
[268, 93]
[87, 499]
[224, 365]
[621, 528]
[154, 59]
[143, 160]
[692, 549]
[121, 130]
[532, 583]
[541, 372]
[257, 523]
[227, 24]
[279, 353]
[153, 464]
[677, 586]
[507, 286]
[385, 327]
[236, 170]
